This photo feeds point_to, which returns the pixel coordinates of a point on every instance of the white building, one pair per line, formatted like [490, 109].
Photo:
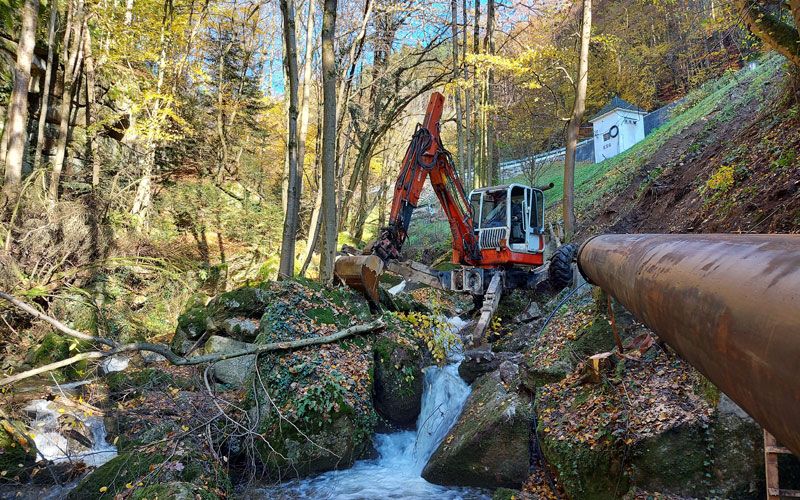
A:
[617, 126]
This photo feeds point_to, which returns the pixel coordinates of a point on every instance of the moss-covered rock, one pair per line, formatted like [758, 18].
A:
[398, 384]
[488, 445]
[134, 472]
[17, 454]
[175, 490]
[54, 347]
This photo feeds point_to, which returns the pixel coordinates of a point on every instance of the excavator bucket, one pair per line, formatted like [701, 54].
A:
[360, 272]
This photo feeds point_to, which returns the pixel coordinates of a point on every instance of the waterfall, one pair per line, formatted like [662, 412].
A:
[402, 455]
[52, 443]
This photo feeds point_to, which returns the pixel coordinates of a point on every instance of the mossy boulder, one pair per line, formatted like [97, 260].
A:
[488, 445]
[398, 382]
[329, 443]
[134, 472]
[721, 458]
[175, 490]
[54, 347]
[17, 453]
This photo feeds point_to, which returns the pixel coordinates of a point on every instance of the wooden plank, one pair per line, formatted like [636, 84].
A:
[771, 467]
[778, 449]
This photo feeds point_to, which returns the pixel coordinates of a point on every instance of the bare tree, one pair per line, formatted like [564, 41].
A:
[328, 186]
[457, 90]
[490, 165]
[18, 106]
[71, 48]
[290, 221]
[573, 128]
[48, 77]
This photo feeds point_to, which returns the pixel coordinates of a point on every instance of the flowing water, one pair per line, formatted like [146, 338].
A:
[52, 443]
[401, 455]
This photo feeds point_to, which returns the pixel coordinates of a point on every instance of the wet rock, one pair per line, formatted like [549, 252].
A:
[233, 371]
[398, 383]
[17, 453]
[125, 475]
[488, 445]
[508, 372]
[480, 361]
[176, 490]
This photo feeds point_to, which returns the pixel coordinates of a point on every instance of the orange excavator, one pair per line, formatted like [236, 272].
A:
[499, 237]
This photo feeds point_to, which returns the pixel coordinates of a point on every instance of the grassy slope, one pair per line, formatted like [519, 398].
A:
[701, 128]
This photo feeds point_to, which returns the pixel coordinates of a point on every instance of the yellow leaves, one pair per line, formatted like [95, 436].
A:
[103, 489]
[722, 179]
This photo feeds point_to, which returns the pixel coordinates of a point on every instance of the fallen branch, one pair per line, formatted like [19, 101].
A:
[256, 349]
[164, 350]
[54, 322]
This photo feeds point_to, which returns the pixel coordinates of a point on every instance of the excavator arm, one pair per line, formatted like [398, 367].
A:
[427, 157]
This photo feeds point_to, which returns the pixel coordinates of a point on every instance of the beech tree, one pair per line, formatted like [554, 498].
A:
[578, 108]
[290, 221]
[18, 106]
[329, 222]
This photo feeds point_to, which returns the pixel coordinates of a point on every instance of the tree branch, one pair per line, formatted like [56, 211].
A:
[778, 35]
[163, 349]
[54, 322]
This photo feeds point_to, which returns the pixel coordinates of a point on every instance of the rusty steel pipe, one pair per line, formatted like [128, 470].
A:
[728, 304]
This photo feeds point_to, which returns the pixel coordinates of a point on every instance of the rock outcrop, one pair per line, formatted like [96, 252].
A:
[488, 446]
[398, 381]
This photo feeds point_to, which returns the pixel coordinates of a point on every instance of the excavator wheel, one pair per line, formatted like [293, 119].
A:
[561, 270]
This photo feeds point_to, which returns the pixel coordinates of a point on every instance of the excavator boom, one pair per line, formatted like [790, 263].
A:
[426, 157]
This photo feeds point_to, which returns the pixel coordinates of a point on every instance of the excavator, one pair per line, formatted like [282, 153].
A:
[499, 237]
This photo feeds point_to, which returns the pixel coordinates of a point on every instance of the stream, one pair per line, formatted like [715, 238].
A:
[401, 455]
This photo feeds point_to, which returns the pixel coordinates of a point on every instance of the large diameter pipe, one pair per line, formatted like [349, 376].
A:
[727, 304]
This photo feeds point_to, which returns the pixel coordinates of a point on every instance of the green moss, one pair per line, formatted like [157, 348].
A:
[140, 380]
[593, 339]
[54, 347]
[505, 494]
[673, 461]
[15, 459]
[174, 490]
[150, 470]
[127, 468]
[592, 474]
[322, 315]
[192, 323]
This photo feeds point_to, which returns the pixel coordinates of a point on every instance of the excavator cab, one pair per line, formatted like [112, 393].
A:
[508, 221]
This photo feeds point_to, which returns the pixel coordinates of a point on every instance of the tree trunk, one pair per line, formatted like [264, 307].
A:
[328, 252]
[468, 142]
[477, 87]
[290, 221]
[575, 123]
[776, 33]
[48, 77]
[18, 105]
[91, 105]
[362, 212]
[457, 89]
[491, 150]
[316, 213]
[305, 102]
[72, 47]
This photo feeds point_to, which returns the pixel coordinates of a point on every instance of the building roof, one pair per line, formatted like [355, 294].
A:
[617, 103]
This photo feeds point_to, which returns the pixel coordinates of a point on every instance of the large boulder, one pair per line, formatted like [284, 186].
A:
[398, 381]
[314, 405]
[234, 371]
[480, 361]
[136, 473]
[488, 445]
